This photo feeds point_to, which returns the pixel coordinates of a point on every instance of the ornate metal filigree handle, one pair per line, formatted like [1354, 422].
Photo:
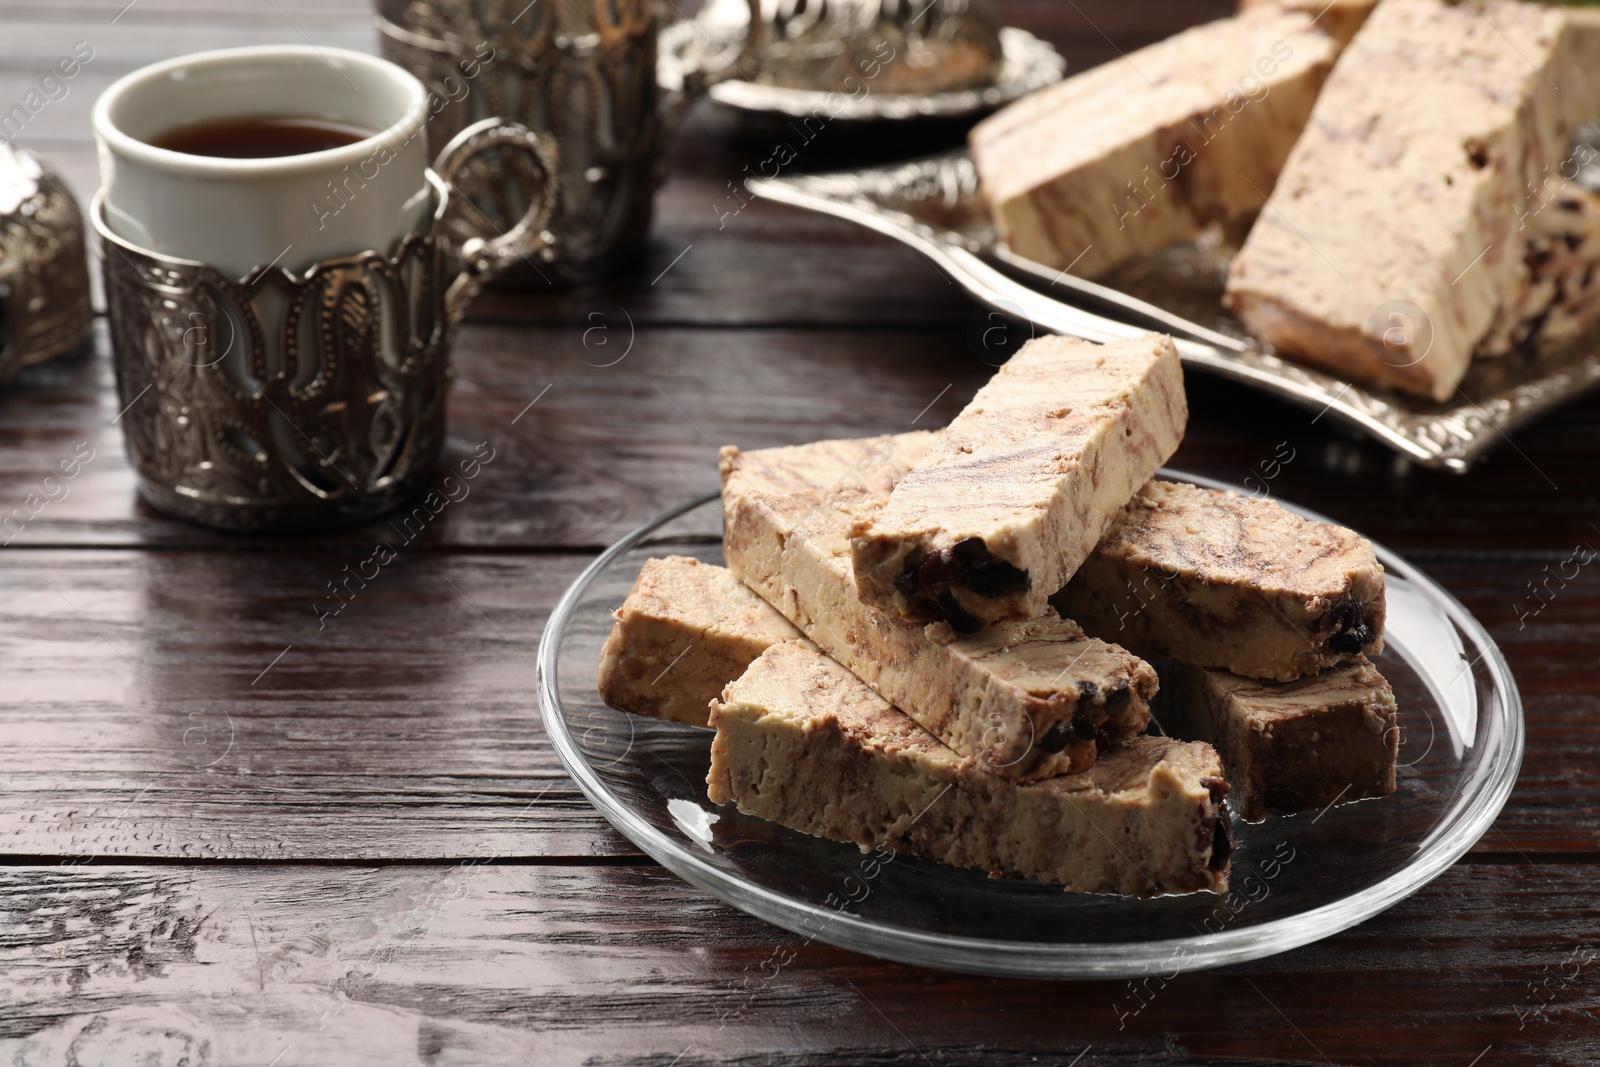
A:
[481, 258]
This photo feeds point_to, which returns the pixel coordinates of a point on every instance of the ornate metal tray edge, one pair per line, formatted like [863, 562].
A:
[1029, 64]
[934, 206]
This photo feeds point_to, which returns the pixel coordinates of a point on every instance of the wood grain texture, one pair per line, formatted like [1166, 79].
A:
[496, 964]
[226, 717]
[231, 833]
[628, 427]
[870, 280]
[405, 727]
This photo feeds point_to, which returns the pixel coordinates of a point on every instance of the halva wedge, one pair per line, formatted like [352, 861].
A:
[686, 630]
[803, 742]
[1229, 581]
[1017, 491]
[1339, 19]
[1029, 698]
[1289, 747]
[1397, 242]
[1151, 148]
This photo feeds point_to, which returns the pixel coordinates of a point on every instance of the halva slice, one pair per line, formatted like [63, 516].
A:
[1289, 746]
[686, 630]
[1396, 242]
[1153, 147]
[1017, 491]
[1561, 298]
[1029, 698]
[1229, 581]
[802, 742]
[1339, 19]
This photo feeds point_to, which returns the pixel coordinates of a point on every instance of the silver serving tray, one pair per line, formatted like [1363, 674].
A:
[1028, 64]
[934, 205]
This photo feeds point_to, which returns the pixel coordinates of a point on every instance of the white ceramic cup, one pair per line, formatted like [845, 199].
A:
[293, 211]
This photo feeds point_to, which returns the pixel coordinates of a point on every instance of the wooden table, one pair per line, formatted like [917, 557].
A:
[232, 834]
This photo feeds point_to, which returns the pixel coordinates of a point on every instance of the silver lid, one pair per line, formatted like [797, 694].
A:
[908, 46]
[1027, 65]
[44, 269]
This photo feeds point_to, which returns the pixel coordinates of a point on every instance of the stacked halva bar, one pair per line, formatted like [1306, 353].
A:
[1401, 175]
[1410, 228]
[1150, 149]
[882, 663]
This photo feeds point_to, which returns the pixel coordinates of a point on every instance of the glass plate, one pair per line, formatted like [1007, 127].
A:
[1294, 880]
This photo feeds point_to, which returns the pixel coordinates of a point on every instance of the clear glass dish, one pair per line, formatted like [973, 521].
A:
[1295, 880]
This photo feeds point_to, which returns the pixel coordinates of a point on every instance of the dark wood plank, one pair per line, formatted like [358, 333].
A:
[760, 265]
[1535, 493]
[1546, 640]
[407, 729]
[608, 446]
[197, 705]
[155, 707]
[508, 965]
[768, 265]
[603, 449]
[208, 13]
[128, 35]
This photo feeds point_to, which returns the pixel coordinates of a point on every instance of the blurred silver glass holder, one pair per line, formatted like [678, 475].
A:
[45, 310]
[287, 401]
[583, 72]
